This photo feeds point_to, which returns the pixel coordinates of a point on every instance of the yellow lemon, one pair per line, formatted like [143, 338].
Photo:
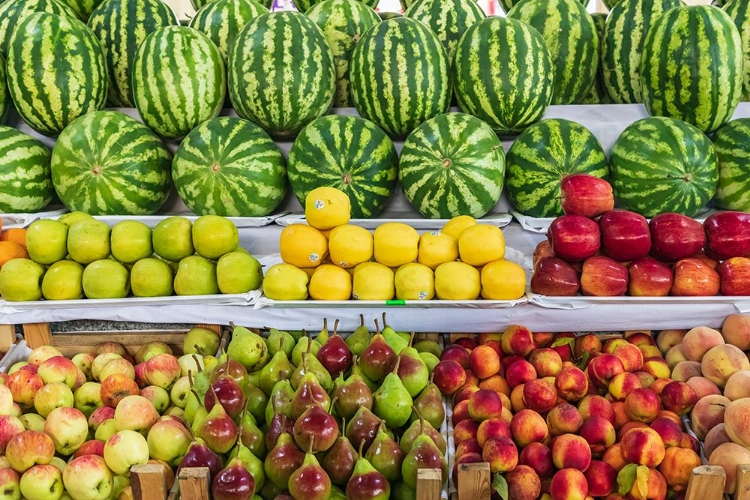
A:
[456, 225]
[285, 282]
[327, 207]
[302, 245]
[457, 281]
[415, 282]
[373, 281]
[503, 280]
[481, 244]
[330, 282]
[395, 244]
[437, 247]
[350, 245]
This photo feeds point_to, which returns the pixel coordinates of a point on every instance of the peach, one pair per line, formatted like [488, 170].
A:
[671, 416]
[630, 356]
[630, 425]
[642, 446]
[546, 362]
[527, 427]
[471, 379]
[703, 387]
[495, 344]
[656, 367]
[543, 339]
[596, 405]
[738, 385]
[690, 442]
[715, 438]
[485, 404]
[736, 330]
[642, 405]
[523, 483]
[599, 433]
[666, 339]
[468, 343]
[456, 353]
[484, 361]
[678, 397]
[639, 337]
[685, 370]
[659, 385]
[723, 361]
[464, 393]
[707, 413]
[539, 395]
[501, 453]
[517, 340]
[448, 375]
[603, 368]
[587, 343]
[670, 432]
[699, 341]
[564, 418]
[656, 487]
[464, 430]
[496, 383]
[461, 412]
[571, 383]
[737, 421]
[675, 355]
[507, 416]
[506, 400]
[569, 450]
[623, 384]
[565, 352]
[519, 373]
[569, 484]
[601, 478]
[610, 345]
[506, 361]
[485, 337]
[621, 416]
[729, 456]
[650, 351]
[516, 398]
[491, 428]
[646, 378]
[468, 446]
[613, 457]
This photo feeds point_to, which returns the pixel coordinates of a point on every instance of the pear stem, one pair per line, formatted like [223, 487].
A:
[325, 324]
[336, 327]
[398, 361]
[333, 402]
[361, 448]
[310, 448]
[281, 344]
[343, 426]
[377, 326]
[432, 376]
[361, 320]
[384, 323]
[411, 339]
[195, 393]
[197, 363]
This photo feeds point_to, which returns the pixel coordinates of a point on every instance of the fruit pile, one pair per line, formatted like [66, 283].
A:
[330, 259]
[77, 256]
[569, 416]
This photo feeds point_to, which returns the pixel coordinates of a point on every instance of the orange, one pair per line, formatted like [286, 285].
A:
[10, 250]
[16, 235]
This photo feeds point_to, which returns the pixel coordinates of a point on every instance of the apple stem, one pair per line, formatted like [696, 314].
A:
[198, 348]
[190, 378]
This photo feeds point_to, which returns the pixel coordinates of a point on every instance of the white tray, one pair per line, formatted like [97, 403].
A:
[499, 220]
[741, 303]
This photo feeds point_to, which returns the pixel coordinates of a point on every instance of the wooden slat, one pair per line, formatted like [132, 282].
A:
[37, 334]
[743, 483]
[148, 482]
[706, 483]
[7, 337]
[474, 481]
[216, 328]
[429, 484]
[194, 483]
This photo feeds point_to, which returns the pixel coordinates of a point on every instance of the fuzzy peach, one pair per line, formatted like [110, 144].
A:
[685, 370]
[571, 383]
[666, 339]
[699, 341]
[523, 483]
[736, 330]
[738, 385]
[703, 387]
[715, 438]
[527, 427]
[539, 395]
[707, 413]
[564, 418]
[642, 446]
[737, 421]
[547, 362]
[729, 456]
[675, 355]
[723, 361]
[642, 405]
[569, 450]
[690, 442]
[678, 397]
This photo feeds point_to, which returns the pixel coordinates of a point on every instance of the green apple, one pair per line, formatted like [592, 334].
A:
[88, 241]
[88, 478]
[168, 440]
[52, 396]
[46, 241]
[106, 430]
[158, 396]
[285, 282]
[196, 276]
[214, 236]
[87, 398]
[42, 482]
[10, 483]
[68, 428]
[131, 241]
[125, 449]
[63, 281]
[172, 238]
[201, 341]
[33, 421]
[105, 279]
[151, 277]
[72, 217]
[20, 280]
[238, 272]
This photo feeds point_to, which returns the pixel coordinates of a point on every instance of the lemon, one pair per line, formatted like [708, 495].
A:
[327, 207]
[350, 245]
[302, 246]
[285, 282]
[457, 281]
[481, 244]
[373, 281]
[437, 247]
[503, 280]
[395, 244]
[330, 282]
[415, 282]
[456, 225]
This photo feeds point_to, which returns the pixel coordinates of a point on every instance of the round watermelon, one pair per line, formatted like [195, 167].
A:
[739, 11]
[384, 16]
[452, 165]
[26, 185]
[306, 5]
[730, 143]
[107, 163]
[83, 8]
[662, 165]
[348, 153]
[507, 5]
[12, 12]
[221, 20]
[230, 167]
[539, 159]
[449, 19]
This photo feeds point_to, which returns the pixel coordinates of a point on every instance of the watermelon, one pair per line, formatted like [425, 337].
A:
[384, 16]
[281, 72]
[306, 5]
[25, 178]
[571, 38]
[739, 11]
[343, 22]
[624, 33]
[507, 5]
[598, 94]
[509, 93]
[452, 165]
[74, 79]
[449, 19]
[13, 12]
[661, 164]
[121, 26]
[541, 156]
[399, 75]
[107, 163]
[730, 143]
[221, 20]
[4, 97]
[178, 80]
[691, 66]
[349, 153]
[83, 8]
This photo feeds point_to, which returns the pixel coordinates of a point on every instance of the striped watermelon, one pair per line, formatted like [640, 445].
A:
[83, 8]
[541, 156]
[507, 5]
[598, 94]
[121, 26]
[384, 16]
[13, 12]
[452, 165]
[449, 19]
[178, 80]
[662, 165]
[74, 80]
[624, 33]
[573, 44]
[399, 75]
[306, 5]
[281, 72]
[343, 22]
[4, 97]
[691, 67]
[509, 93]
[230, 167]
[107, 163]
[349, 153]
[730, 143]
[739, 11]
[25, 178]
[221, 20]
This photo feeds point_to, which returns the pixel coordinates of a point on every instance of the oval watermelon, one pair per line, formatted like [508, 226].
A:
[507, 5]
[13, 12]
[730, 143]
[229, 167]
[221, 20]
[452, 165]
[448, 19]
[306, 5]
[83, 8]
[26, 185]
[739, 11]
[107, 163]
[541, 156]
[281, 72]
[349, 153]
[74, 80]
[178, 80]
[662, 165]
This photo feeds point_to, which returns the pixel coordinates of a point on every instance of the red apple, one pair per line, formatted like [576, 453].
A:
[586, 195]
[625, 235]
[693, 278]
[735, 276]
[541, 252]
[727, 235]
[649, 278]
[556, 278]
[675, 236]
[574, 238]
[603, 277]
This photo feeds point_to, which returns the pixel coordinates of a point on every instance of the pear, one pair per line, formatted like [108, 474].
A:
[279, 340]
[315, 423]
[310, 482]
[192, 403]
[282, 461]
[392, 402]
[200, 455]
[336, 494]
[311, 364]
[218, 430]
[251, 436]
[340, 459]
[385, 455]
[397, 342]
[418, 428]
[251, 463]
[402, 491]
[429, 346]
[357, 370]
[248, 348]
[233, 482]
[335, 355]
[351, 395]
[200, 415]
[430, 360]
[412, 370]
[278, 425]
[429, 405]
[280, 400]
[272, 492]
[360, 338]
[255, 402]
[422, 455]
[362, 428]
[322, 336]
[378, 357]
[273, 371]
[309, 393]
[366, 482]
[304, 345]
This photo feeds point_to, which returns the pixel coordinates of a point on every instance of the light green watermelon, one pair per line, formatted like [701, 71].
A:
[83, 8]
[739, 11]
[730, 143]
[221, 20]
[25, 177]
[12, 12]
[448, 19]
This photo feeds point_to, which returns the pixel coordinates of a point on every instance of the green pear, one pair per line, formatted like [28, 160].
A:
[255, 401]
[20, 280]
[310, 481]
[429, 346]
[366, 482]
[131, 241]
[63, 281]
[252, 463]
[429, 405]
[201, 341]
[247, 348]
[423, 455]
[430, 360]
[274, 342]
[323, 335]
[105, 279]
[385, 455]
[412, 370]
[357, 372]
[302, 347]
[393, 339]
[280, 400]
[279, 367]
[336, 494]
[310, 364]
[402, 491]
[172, 238]
[251, 435]
[46, 241]
[360, 338]
[196, 276]
[392, 402]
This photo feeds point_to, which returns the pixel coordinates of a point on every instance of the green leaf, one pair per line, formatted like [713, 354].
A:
[500, 485]
[569, 341]
[626, 478]
[584, 360]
